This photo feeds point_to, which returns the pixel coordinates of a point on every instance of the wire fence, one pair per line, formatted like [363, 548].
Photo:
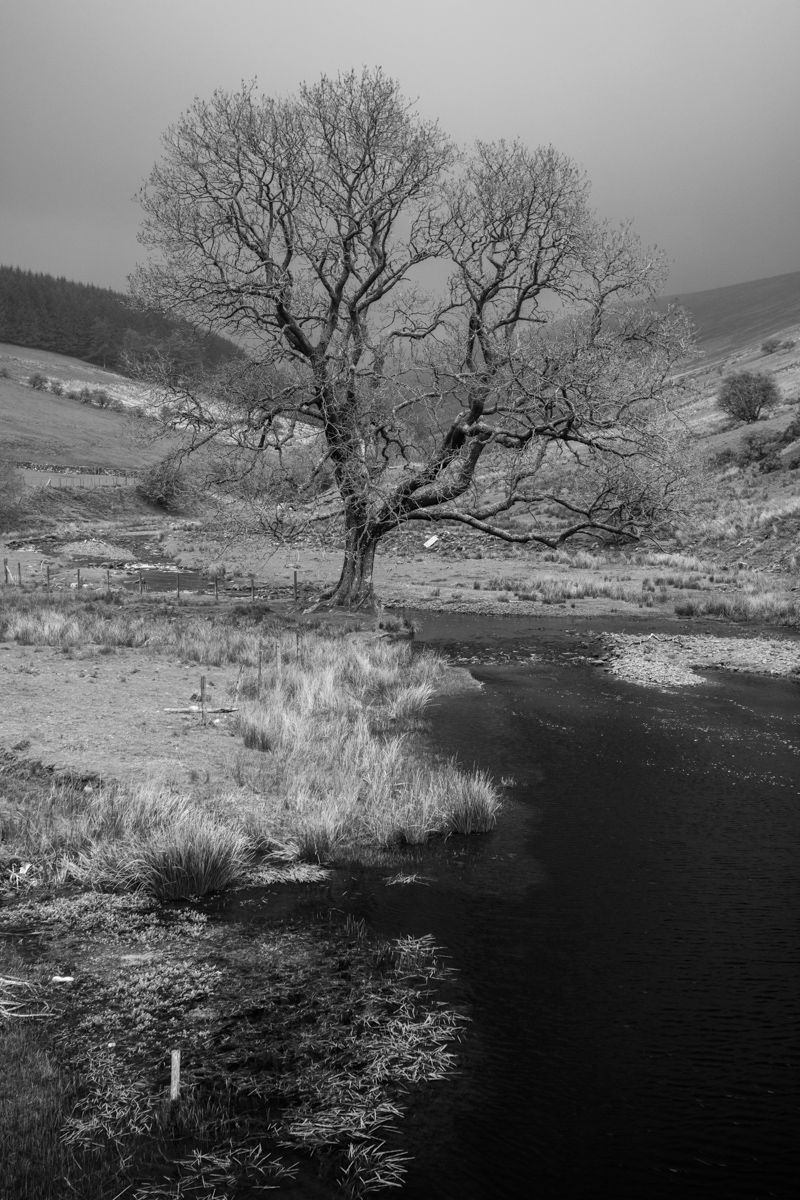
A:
[144, 580]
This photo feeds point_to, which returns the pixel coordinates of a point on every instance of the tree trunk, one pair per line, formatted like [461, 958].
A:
[354, 589]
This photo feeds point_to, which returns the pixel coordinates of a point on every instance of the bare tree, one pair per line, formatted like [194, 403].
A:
[535, 384]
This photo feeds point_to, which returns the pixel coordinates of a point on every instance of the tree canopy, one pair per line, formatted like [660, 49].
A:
[745, 394]
[526, 396]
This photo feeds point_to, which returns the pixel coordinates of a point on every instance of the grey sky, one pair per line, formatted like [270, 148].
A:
[684, 113]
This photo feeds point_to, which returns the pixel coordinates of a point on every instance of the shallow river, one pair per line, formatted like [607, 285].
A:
[626, 940]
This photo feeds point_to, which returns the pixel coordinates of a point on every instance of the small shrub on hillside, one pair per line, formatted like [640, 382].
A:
[165, 484]
[770, 345]
[38, 381]
[788, 344]
[5, 373]
[745, 394]
[102, 398]
[56, 387]
[85, 395]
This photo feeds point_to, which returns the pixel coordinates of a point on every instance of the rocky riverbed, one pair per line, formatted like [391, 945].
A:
[662, 660]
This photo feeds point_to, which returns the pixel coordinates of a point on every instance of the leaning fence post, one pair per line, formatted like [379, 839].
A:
[175, 1076]
[6, 577]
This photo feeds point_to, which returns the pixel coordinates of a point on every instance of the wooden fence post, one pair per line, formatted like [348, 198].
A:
[295, 585]
[19, 573]
[6, 576]
[252, 587]
[79, 579]
[178, 586]
[140, 583]
[203, 698]
[48, 578]
[175, 1076]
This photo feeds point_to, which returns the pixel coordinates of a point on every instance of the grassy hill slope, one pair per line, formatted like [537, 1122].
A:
[47, 429]
[727, 318]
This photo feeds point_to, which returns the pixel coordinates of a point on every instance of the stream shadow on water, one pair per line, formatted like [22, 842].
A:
[625, 941]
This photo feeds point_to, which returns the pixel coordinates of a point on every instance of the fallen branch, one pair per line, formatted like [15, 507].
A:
[195, 708]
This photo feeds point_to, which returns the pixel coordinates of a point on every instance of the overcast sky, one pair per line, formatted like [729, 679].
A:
[684, 113]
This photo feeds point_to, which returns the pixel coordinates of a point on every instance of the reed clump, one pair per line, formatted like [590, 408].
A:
[338, 775]
[335, 718]
[767, 608]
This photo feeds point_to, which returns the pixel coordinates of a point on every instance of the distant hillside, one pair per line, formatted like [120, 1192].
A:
[728, 317]
[95, 324]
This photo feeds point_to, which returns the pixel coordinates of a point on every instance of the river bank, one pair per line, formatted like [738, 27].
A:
[157, 753]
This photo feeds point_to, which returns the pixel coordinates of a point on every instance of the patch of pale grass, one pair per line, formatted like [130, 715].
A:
[765, 607]
[48, 627]
[671, 561]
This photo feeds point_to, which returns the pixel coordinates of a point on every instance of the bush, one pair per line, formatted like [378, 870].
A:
[745, 394]
[38, 381]
[164, 484]
[57, 387]
[102, 398]
[10, 488]
[770, 345]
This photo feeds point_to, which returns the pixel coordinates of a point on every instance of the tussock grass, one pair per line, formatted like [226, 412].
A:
[31, 619]
[333, 718]
[120, 839]
[671, 561]
[337, 775]
[767, 607]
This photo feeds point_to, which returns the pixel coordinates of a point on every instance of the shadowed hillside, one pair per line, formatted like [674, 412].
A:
[728, 317]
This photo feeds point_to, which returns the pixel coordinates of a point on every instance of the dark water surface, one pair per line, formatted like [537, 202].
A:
[626, 940]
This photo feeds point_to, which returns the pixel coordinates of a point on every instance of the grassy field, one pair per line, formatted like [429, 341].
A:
[39, 426]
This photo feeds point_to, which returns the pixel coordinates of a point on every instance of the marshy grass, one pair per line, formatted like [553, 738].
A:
[33, 619]
[337, 773]
[334, 719]
[556, 590]
[767, 607]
